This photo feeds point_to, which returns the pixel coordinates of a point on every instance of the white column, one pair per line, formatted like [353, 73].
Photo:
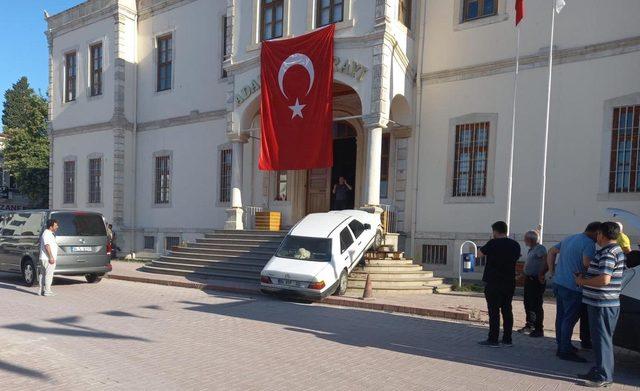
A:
[234, 214]
[236, 174]
[374, 153]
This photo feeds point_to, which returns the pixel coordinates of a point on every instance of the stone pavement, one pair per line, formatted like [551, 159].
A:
[123, 335]
[452, 306]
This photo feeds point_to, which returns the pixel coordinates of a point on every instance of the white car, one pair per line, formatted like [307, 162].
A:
[318, 253]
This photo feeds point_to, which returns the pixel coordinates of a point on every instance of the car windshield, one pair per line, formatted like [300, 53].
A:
[79, 224]
[305, 249]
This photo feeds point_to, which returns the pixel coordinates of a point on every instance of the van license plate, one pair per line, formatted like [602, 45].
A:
[81, 249]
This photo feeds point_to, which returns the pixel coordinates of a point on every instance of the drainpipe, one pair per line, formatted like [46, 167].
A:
[418, 110]
[134, 142]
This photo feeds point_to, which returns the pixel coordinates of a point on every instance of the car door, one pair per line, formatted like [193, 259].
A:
[347, 248]
[361, 238]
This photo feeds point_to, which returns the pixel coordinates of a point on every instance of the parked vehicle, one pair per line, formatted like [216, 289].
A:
[81, 237]
[317, 255]
[626, 334]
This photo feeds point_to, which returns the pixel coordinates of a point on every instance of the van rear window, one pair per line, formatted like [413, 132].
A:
[79, 224]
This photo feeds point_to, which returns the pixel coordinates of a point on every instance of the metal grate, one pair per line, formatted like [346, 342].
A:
[470, 162]
[171, 242]
[95, 175]
[624, 168]
[225, 175]
[70, 77]
[434, 254]
[69, 182]
[149, 242]
[162, 180]
[249, 216]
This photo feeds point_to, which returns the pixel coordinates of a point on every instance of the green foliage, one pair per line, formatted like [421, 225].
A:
[26, 153]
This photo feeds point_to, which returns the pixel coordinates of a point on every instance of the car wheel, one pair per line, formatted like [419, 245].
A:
[93, 278]
[342, 286]
[29, 272]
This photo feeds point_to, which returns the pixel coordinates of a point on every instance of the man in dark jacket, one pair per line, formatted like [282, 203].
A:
[500, 278]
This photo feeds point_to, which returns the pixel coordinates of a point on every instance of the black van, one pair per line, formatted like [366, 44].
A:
[81, 237]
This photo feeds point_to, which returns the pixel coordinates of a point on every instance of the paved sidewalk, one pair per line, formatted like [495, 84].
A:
[450, 306]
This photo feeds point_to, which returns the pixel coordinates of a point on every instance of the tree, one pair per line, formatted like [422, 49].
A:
[26, 152]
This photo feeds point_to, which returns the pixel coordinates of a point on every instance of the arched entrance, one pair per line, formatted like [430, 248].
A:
[347, 156]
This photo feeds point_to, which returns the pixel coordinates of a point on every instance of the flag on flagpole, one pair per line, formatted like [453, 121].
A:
[519, 11]
[560, 5]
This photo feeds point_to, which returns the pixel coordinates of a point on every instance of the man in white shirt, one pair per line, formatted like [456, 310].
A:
[48, 257]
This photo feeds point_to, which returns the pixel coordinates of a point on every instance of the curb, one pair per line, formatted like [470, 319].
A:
[337, 301]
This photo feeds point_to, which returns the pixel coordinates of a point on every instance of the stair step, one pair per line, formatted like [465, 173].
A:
[230, 246]
[389, 262]
[210, 255]
[245, 233]
[240, 262]
[357, 292]
[244, 242]
[444, 288]
[218, 249]
[250, 270]
[389, 269]
[389, 284]
[202, 273]
[392, 276]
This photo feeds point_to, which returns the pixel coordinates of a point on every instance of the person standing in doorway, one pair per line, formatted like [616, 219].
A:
[535, 264]
[48, 257]
[341, 193]
[601, 293]
[114, 246]
[574, 254]
[500, 278]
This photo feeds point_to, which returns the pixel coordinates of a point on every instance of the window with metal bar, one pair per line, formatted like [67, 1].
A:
[281, 186]
[271, 19]
[69, 187]
[162, 179]
[70, 77]
[476, 9]
[470, 161]
[96, 69]
[170, 242]
[225, 42]
[624, 167]
[95, 181]
[404, 12]
[165, 62]
[225, 175]
[329, 11]
[434, 254]
[149, 242]
[384, 165]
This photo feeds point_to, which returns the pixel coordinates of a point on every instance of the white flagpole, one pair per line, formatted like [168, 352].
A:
[513, 131]
[546, 127]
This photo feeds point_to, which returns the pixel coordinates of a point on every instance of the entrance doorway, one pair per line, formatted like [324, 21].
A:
[320, 182]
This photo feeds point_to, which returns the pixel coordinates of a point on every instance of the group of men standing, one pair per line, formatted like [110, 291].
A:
[586, 270]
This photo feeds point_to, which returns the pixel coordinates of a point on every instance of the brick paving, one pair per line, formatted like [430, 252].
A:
[124, 335]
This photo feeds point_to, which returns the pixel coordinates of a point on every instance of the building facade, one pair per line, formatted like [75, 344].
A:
[155, 116]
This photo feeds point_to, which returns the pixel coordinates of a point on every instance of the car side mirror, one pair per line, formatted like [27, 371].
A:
[367, 226]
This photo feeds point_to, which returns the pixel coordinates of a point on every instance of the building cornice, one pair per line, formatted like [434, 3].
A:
[532, 61]
[150, 8]
[85, 14]
[118, 123]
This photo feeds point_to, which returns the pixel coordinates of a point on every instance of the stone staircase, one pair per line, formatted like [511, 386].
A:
[392, 274]
[222, 254]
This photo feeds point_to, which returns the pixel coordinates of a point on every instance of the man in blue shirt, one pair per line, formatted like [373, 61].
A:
[573, 254]
[601, 293]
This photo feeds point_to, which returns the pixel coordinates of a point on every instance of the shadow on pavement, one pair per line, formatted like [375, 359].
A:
[22, 371]
[424, 337]
[73, 331]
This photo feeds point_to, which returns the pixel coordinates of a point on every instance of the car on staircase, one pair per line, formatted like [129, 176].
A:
[317, 255]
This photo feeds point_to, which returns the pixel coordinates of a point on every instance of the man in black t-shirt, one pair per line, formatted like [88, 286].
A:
[500, 278]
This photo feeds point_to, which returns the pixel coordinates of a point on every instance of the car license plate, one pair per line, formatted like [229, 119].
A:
[289, 282]
[81, 249]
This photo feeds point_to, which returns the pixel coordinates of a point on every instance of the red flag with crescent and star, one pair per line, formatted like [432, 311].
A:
[296, 107]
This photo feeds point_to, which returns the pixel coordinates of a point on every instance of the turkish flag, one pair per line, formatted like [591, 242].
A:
[519, 11]
[296, 107]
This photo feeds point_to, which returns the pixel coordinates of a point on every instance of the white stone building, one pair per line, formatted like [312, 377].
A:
[155, 115]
